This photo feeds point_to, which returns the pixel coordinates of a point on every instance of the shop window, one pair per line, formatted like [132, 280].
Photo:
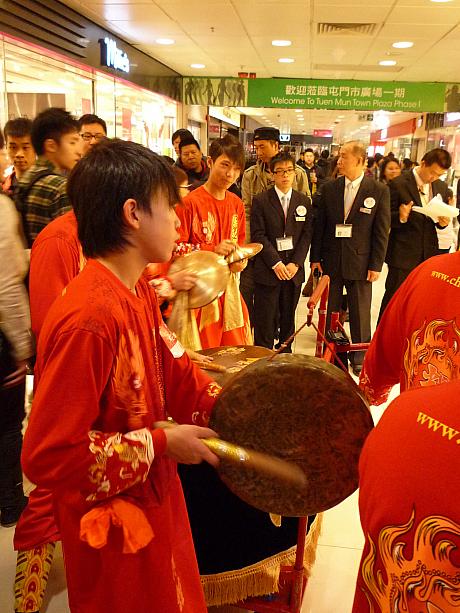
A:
[145, 117]
[35, 82]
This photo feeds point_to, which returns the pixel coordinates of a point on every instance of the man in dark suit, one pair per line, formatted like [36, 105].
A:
[350, 239]
[413, 237]
[281, 219]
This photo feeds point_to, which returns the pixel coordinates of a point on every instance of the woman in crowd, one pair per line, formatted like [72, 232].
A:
[389, 169]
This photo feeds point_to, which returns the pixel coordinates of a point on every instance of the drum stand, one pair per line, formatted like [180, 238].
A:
[292, 581]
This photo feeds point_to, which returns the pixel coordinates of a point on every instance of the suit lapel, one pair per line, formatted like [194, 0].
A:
[292, 206]
[412, 188]
[340, 191]
[364, 190]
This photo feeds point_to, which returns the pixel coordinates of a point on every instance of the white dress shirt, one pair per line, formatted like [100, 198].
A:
[351, 189]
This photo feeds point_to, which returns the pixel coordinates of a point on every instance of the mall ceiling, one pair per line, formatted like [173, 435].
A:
[333, 39]
[329, 38]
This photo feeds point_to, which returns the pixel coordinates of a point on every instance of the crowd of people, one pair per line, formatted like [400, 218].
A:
[89, 227]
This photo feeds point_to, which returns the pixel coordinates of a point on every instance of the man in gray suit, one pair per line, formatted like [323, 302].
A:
[350, 239]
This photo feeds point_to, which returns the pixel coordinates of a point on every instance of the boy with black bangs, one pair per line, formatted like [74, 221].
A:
[107, 370]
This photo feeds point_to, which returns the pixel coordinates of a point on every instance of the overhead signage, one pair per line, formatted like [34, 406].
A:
[366, 97]
[285, 138]
[112, 56]
[347, 95]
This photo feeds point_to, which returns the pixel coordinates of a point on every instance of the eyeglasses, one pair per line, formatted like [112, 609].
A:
[88, 136]
[282, 172]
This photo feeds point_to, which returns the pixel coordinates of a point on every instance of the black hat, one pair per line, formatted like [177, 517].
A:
[267, 134]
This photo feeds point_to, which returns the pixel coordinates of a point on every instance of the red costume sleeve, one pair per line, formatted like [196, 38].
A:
[62, 444]
[190, 393]
[54, 255]
[383, 362]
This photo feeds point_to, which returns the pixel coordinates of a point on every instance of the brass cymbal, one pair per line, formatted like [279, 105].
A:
[244, 252]
[212, 274]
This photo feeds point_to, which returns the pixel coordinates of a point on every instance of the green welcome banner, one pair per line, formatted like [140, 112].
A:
[352, 95]
[323, 94]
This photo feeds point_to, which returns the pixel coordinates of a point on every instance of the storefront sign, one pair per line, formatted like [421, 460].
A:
[112, 56]
[226, 114]
[323, 133]
[351, 95]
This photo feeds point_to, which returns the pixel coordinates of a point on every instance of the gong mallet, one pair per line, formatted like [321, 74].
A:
[248, 458]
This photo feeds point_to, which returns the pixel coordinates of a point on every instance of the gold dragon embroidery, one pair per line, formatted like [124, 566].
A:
[429, 576]
[432, 354]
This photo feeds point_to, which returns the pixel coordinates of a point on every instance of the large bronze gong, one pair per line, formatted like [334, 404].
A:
[300, 409]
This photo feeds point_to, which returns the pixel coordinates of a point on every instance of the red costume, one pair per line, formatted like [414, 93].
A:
[56, 258]
[417, 341]
[408, 507]
[206, 222]
[106, 359]
[410, 514]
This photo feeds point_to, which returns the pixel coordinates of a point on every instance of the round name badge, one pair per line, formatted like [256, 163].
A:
[369, 203]
[301, 211]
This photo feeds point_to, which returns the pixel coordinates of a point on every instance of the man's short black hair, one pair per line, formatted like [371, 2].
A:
[438, 156]
[188, 141]
[284, 156]
[52, 123]
[181, 133]
[309, 150]
[229, 146]
[17, 128]
[99, 185]
[88, 118]
[325, 154]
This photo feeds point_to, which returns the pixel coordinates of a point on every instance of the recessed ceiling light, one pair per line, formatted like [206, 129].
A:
[298, 111]
[441, 1]
[197, 66]
[387, 63]
[281, 43]
[165, 41]
[403, 44]
[286, 60]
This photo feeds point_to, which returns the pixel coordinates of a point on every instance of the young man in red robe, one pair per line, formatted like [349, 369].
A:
[408, 508]
[409, 480]
[213, 219]
[107, 370]
[56, 259]
[417, 341]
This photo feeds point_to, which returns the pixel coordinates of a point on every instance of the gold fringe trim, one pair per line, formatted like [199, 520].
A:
[260, 578]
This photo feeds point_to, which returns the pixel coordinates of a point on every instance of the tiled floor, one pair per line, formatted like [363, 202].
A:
[331, 586]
